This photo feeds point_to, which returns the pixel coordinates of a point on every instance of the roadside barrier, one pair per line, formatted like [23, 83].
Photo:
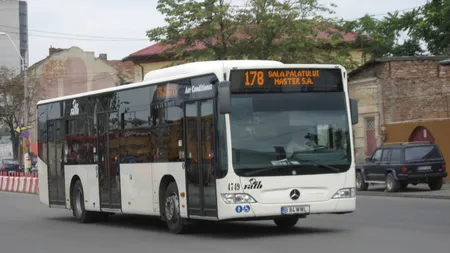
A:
[19, 182]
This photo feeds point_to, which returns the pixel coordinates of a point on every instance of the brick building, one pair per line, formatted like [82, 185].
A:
[402, 99]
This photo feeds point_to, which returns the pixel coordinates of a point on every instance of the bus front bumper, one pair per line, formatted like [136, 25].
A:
[267, 211]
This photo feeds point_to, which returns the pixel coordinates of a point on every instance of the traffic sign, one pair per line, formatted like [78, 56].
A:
[24, 149]
[27, 142]
[26, 134]
[20, 129]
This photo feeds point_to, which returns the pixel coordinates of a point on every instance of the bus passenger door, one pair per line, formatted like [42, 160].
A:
[55, 142]
[108, 163]
[199, 146]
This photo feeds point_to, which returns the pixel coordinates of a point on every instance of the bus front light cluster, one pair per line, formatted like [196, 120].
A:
[237, 198]
[345, 193]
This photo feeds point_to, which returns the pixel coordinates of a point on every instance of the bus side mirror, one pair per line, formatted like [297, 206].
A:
[354, 111]
[224, 97]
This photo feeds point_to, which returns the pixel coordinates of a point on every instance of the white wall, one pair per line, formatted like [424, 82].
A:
[367, 92]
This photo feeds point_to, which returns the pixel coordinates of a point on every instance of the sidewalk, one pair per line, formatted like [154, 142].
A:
[418, 191]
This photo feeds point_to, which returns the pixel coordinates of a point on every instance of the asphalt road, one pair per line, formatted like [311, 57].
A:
[381, 224]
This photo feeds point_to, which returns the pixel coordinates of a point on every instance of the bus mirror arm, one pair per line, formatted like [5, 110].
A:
[187, 163]
[354, 111]
[224, 97]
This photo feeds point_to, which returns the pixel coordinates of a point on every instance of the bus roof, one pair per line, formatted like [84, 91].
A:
[195, 66]
[175, 72]
[170, 73]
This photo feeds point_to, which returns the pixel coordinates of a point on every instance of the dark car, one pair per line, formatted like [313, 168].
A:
[9, 165]
[400, 164]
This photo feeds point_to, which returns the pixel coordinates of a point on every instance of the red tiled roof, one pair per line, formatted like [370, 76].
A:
[158, 48]
[126, 69]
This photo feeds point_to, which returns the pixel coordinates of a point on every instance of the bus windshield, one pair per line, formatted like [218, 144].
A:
[271, 128]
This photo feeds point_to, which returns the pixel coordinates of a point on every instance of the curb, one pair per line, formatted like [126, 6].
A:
[401, 195]
[21, 193]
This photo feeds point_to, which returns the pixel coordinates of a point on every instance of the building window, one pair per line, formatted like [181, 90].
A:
[371, 141]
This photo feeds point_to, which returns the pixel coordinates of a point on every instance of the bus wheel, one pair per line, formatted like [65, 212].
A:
[286, 222]
[77, 200]
[172, 210]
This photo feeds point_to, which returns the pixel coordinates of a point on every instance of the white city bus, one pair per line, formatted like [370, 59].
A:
[218, 140]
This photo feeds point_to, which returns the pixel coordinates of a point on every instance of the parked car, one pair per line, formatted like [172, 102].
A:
[398, 164]
[9, 165]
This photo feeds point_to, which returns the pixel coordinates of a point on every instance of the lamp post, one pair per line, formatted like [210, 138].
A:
[25, 93]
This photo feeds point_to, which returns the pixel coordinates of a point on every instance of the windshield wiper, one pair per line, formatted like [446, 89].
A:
[289, 165]
[320, 164]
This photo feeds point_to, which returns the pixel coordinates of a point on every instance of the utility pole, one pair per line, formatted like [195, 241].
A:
[25, 113]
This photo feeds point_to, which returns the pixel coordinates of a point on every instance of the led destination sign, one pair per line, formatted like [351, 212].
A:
[280, 80]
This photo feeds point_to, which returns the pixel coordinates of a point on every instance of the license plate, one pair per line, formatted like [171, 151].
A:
[295, 209]
[423, 168]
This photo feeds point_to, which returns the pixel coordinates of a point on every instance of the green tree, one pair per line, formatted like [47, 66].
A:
[262, 29]
[380, 37]
[288, 30]
[431, 24]
[11, 102]
[209, 22]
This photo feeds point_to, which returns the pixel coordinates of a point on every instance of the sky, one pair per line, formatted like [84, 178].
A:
[118, 28]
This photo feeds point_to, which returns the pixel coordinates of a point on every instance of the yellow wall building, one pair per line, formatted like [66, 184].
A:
[153, 57]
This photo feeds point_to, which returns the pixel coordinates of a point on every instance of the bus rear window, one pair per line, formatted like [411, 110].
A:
[422, 153]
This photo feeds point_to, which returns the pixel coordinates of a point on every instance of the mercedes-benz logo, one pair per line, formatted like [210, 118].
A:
[295, 194]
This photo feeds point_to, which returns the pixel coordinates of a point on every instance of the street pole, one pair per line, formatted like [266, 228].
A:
[25, 114]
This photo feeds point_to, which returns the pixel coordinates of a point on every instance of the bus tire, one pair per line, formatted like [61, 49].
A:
[77, 200]
[286, 222]
[172, 215]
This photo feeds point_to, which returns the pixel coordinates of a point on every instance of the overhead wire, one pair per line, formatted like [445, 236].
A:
[407, 9]
[79, 35]
[14, 30]
[371, 15]
[106, 39]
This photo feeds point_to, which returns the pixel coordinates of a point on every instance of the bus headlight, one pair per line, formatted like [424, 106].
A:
[345, 193]
[237, 198]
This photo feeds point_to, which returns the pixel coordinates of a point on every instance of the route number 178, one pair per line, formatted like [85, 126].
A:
[252, 77]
